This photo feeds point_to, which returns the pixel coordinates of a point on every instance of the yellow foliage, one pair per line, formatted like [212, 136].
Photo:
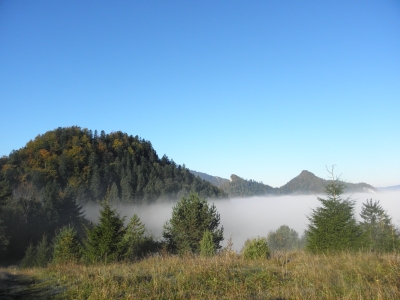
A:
[102, 147]
[44, 153]
[117, 143]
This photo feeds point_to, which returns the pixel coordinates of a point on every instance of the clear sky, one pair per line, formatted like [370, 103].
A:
[261, 89]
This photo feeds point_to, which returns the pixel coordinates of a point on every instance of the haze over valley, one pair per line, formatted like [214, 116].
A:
[245, 218]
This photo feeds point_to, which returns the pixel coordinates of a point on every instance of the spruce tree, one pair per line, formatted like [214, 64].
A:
[134, 238]
[105, 240]
[333, 226]
[113, 194]
[29, 258]
[378, 231]
[42, 257]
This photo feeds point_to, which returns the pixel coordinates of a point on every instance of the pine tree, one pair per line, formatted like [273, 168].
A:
[191, 216]
[105, 240]
[378, 231]
[333, 226]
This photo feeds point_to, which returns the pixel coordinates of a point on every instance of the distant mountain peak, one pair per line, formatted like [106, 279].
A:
[306, 173]
[235, 178]
[304, 183]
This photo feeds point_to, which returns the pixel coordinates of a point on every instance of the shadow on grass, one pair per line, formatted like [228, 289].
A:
[25, 287]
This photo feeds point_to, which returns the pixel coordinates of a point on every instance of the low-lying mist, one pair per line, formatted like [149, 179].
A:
[244, 218]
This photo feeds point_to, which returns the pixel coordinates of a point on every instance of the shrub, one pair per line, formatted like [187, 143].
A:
[255, 249]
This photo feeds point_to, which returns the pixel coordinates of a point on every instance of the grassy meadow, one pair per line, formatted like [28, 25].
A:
[285, 275]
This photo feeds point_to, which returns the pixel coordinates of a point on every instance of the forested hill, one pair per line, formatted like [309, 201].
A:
[91, 166]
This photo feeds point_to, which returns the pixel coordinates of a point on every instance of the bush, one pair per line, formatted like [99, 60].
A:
[207, 247]
[255, 249]
[66, 246]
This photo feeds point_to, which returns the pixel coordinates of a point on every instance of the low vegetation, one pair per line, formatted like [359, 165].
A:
[285, 275]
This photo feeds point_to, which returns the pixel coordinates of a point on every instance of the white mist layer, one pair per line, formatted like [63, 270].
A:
[251, 217]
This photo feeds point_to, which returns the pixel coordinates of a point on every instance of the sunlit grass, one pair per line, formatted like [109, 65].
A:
[294, 275]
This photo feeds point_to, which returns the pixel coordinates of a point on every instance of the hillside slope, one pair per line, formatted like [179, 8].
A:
[120, 166]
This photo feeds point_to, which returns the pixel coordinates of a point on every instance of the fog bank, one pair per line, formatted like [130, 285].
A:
[250, 217]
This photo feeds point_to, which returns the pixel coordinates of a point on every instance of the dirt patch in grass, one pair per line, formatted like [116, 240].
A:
[22, 286]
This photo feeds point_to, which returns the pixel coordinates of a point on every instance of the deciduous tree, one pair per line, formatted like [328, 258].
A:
[284, 238]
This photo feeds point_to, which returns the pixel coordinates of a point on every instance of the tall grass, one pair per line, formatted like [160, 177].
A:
[286, 275]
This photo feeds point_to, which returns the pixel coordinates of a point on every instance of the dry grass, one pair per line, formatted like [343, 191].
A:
[295, 275]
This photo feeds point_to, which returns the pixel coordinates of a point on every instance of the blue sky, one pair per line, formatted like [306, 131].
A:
[261, 89]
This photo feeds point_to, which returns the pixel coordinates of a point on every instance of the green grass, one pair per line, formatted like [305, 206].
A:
[294, 275]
